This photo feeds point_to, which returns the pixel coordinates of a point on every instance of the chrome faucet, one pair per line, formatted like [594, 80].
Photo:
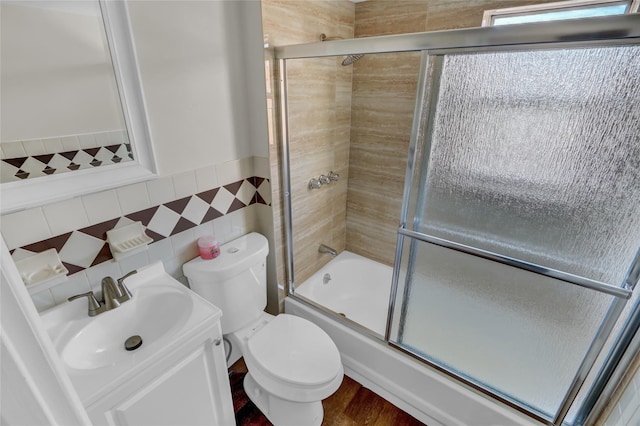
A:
[317, 183]
[328, 250]
[324, 179]
[111, 293]
[114, 293]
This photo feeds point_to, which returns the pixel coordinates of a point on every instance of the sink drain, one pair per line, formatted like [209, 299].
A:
[133, 343]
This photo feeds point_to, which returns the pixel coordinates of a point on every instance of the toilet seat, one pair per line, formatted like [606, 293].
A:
[294, 359]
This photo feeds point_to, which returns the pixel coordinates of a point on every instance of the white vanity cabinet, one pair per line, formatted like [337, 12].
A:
[177, 376]
[189, 386]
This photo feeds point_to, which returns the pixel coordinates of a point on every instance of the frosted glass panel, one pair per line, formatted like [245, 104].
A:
[521, 334]
[536, 155]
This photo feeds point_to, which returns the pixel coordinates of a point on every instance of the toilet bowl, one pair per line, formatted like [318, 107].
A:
[292, 363]
[292, 366]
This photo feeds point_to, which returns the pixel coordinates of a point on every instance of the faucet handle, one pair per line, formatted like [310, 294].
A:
[123, 287]
[127, 275]
[314, 184]
[95, 307]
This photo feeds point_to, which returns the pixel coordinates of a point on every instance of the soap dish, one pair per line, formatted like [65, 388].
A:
[128, 240]
[42, 271]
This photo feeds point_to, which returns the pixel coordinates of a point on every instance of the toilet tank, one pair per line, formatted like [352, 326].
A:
[235, 281]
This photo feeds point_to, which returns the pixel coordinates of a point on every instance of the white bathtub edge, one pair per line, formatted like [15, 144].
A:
[353, 369]
[466, 407]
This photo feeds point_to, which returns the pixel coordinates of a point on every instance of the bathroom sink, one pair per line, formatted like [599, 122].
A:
[155, 314]
[163, 312]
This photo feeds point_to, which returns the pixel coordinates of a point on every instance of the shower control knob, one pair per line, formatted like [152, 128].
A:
[333, 176]
[324, 180]
[315, 184]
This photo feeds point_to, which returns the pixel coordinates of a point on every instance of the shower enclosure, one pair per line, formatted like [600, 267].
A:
[512, 221]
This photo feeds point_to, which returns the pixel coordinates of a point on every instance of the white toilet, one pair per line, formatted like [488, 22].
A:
[293, 364]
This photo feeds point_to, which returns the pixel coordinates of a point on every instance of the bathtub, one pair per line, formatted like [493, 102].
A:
[355, 288]
[357, 291]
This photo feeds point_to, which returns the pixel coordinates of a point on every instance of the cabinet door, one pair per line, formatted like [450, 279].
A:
[195, 391]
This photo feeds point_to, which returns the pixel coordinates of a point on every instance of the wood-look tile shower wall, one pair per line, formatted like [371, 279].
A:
[373, 138]
[319, 93]
[383, 101]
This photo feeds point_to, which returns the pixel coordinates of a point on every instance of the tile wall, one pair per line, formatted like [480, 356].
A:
[384, 88]
[373, 137]
[319, 143]
[382, 115]
[320, 106]
[225, 200]
[40, 157]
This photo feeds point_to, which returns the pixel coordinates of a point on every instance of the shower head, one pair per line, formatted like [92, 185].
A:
[348, 60]
[352, 59]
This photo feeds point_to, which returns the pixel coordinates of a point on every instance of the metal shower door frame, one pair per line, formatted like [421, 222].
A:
[421, 141]
[621, 294]
[615, 30]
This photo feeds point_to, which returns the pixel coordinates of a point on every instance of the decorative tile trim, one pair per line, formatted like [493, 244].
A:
[87, 247]
[41, 157]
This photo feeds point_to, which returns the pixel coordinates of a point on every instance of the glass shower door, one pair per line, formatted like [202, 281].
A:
[514, 258]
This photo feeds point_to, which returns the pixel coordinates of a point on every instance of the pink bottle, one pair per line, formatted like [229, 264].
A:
[208, 247]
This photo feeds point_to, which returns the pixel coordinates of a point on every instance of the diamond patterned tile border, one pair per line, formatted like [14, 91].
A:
[195, 210]
[263, 194]
[62, 162]
[246, 193]
[223, 200]
[81, 249]
[86, 247]
[164, 221]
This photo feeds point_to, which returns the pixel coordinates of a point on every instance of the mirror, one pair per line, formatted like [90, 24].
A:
[72, 108]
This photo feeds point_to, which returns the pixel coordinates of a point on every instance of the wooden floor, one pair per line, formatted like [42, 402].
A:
[350, 405]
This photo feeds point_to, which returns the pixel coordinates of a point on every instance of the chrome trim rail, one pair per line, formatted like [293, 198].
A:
[531, 267]
[286, 175]
[341, 319]
[633, 275]
[472, 383]
[620, 357]
[607, 28]
[590, 358]
[422, 92]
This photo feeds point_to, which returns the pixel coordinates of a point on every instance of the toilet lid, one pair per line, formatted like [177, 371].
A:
[295, 350]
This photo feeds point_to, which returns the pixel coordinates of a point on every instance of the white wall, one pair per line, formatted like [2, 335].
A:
[250, 52]
[196, 59]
